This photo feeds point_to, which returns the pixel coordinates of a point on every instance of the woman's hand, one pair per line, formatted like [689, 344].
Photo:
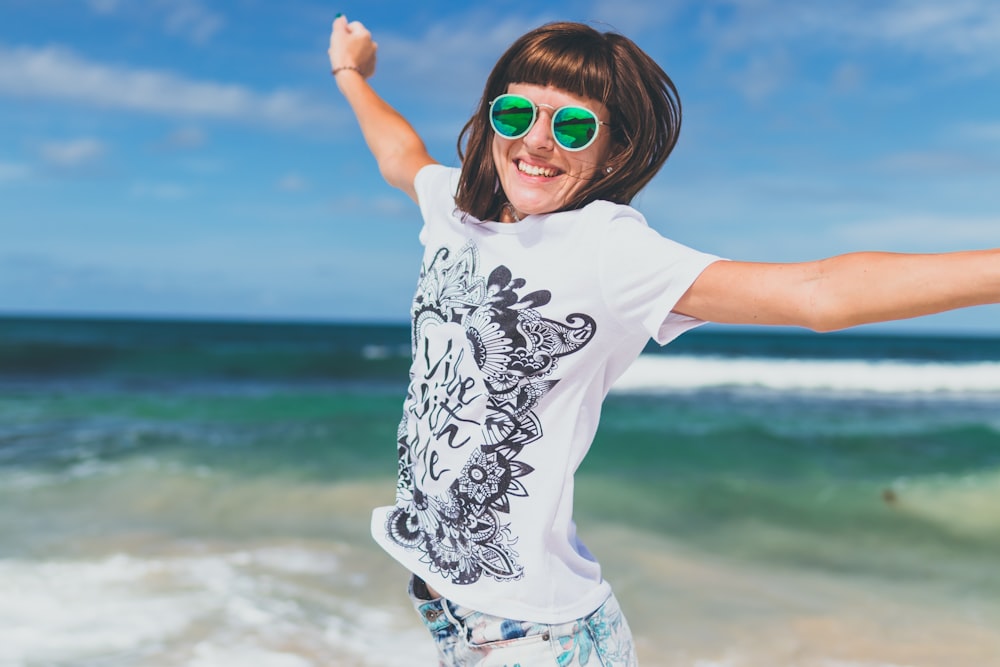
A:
[394, 143]
[351, 47]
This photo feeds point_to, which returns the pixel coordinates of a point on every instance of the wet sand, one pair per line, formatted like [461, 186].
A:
[696, 610]
[318, 591]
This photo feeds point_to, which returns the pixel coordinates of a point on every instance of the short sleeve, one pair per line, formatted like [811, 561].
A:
[435, 186]
[644, 275]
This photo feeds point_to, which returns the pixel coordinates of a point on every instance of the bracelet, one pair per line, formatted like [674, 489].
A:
[350, 67]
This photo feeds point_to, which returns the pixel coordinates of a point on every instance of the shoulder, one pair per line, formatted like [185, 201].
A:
[626, 237]
[605, 221]
[607, 214]
[435, 186]
[436, 179]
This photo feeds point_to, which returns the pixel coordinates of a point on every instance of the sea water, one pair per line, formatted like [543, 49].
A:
[199, 493]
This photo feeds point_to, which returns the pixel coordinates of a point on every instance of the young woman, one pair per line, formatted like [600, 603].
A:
[539, 286]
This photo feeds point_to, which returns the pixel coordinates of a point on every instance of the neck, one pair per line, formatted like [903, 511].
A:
[509, 213]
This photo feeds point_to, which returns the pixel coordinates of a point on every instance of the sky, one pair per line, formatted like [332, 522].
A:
[190, 158]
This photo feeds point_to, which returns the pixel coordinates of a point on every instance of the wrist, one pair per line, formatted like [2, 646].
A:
[347, 68]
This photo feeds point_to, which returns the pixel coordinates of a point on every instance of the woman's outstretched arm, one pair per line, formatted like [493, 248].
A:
[843, 291]
[398, 149]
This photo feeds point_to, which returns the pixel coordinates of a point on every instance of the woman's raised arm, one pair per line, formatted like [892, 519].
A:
[843, 291]
[398, 149]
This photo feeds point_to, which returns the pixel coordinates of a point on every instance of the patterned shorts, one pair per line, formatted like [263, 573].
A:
[467, 638]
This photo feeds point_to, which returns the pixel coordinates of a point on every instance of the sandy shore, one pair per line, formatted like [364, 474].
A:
[692, 609]
[299, 582]
[695, 610]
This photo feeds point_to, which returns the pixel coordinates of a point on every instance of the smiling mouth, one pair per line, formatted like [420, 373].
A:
[533, 170]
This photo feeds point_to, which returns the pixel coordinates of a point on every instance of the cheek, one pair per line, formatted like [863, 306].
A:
[588, 166]
[498, 153]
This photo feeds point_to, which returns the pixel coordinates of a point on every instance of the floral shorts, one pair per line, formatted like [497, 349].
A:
[467, 638]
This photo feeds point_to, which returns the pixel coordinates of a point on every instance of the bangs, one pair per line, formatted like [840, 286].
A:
[608, 68]
[577, 63]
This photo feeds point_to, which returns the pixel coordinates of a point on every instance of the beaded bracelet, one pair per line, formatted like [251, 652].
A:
[343, 67]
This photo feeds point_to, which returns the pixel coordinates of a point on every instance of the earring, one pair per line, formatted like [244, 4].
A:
[609, 170]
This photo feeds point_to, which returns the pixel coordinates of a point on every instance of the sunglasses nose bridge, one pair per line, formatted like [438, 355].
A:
[550, 113]
[540, 133]
[544, 125]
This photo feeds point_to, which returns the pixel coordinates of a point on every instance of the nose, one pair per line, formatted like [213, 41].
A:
[539, 137]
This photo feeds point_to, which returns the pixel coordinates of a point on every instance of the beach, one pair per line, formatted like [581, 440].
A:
[199, 493]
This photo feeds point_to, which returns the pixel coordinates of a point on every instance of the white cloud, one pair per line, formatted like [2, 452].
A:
[185, 138]
[463, 49]
[292, 183]
[969, 29]
[631, 18]
[978, 132]
[160, 191]
[938, 163]
[848, 78]
[104, 6]
[763, 76]
[936, 233]
[59, 74]
[13, 171]
[187, 19]
[965, 27]
[72, 153]
[191, 20]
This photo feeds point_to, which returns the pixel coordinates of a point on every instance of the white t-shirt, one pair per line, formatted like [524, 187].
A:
[519, 331]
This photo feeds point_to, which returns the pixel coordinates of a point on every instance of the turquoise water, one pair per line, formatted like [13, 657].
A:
[172, 490]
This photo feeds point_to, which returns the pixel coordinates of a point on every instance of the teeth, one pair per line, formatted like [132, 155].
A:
[532, 170]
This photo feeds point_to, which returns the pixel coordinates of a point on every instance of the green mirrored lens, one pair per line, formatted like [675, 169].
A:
[512, 115]
[574, 127]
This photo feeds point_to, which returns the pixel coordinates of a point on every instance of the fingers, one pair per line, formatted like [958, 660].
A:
[358, 29]
[351, 45]
[340, 22]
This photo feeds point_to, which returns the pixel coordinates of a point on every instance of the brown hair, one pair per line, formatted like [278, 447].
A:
[642, 100]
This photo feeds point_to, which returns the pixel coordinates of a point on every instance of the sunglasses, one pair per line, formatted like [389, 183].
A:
[573, 128]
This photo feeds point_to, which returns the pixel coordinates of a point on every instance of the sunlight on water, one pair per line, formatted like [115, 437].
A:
[969, 505]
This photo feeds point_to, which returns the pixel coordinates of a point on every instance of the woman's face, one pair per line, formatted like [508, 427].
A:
[537, 174]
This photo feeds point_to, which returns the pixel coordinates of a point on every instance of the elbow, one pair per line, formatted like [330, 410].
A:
[823, 314]
[826, 316]
[823, 308]
[825, 326]
[819, 322]
[399, 167]
[390, 166]
[387, 169]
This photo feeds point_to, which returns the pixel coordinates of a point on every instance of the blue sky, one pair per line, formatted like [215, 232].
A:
[193, 158]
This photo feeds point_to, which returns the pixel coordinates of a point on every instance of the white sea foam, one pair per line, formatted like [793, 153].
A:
[651, 373]
[375, 352]
[290, 560]
[266, 607]
[361, 631]
[209, 654]
[57, 611]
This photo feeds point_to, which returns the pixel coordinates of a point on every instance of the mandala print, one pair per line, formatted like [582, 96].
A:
[483, 356]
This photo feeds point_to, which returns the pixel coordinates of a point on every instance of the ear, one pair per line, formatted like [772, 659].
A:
[617, 157]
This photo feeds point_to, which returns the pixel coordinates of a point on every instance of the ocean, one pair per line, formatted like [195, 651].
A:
[199, 492]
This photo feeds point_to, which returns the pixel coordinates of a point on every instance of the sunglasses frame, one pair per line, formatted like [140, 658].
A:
[552, 121]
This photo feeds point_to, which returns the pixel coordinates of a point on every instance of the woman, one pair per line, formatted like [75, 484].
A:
[539, 286]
